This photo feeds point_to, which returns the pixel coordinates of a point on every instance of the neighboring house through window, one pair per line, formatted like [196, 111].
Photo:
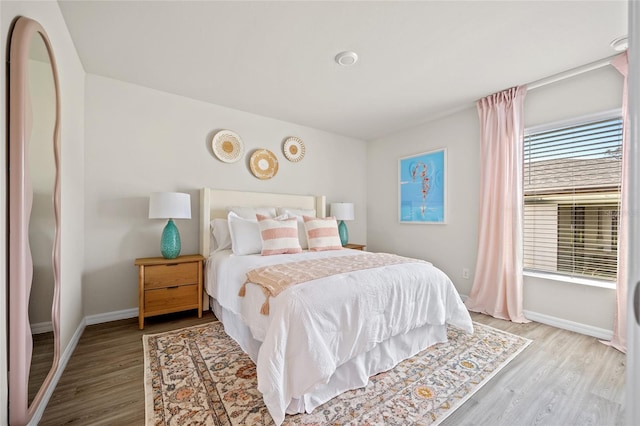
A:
[572, 175]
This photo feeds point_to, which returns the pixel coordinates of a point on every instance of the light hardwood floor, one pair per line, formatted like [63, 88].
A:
[562, 378]
[103, 381]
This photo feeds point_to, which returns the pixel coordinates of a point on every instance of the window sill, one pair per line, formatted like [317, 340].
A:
[571, 280]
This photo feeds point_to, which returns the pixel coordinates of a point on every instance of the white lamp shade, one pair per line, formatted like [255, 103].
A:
[342, 211]
[169, 205]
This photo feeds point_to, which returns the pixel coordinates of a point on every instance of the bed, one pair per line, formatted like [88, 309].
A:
[325, 336]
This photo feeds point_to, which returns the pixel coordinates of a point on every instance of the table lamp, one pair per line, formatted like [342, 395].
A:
[342, 212]
[170, 205]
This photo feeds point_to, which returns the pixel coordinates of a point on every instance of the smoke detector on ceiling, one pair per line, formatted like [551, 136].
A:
[620, 44]
[346, 59]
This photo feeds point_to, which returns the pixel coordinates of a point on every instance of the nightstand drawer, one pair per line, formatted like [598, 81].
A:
[169, 285]
[170, 299]
[158, 276]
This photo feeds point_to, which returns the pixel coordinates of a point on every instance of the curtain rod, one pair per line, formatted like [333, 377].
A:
[571, 73]
[534, 84]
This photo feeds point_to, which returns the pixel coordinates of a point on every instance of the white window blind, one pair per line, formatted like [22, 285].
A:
[571, 199]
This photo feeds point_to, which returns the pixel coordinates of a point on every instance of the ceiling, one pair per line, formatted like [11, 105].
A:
[418, 60]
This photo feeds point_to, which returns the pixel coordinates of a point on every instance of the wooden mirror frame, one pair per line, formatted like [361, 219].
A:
[20, 262]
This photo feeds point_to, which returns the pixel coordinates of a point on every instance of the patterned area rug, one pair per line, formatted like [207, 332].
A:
[200, 376]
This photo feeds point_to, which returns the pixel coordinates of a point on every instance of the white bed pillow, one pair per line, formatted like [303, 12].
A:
[278, 235]
[221, 235]
[322, 233]
[296, 212]
[245, 235]
[251, 212]
[299, 213]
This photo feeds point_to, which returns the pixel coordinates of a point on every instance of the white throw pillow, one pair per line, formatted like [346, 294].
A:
[245, 235]
[279, 236]
[221, 235]
[322, 233]
[299, 213]
[251, 212]
[296, 212]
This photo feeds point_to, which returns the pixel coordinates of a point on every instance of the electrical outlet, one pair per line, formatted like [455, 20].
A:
[465, 273]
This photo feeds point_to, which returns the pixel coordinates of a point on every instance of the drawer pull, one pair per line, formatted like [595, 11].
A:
[173, 286]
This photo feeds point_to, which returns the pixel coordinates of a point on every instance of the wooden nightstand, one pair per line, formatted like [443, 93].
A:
[355, 246]
[169, 285]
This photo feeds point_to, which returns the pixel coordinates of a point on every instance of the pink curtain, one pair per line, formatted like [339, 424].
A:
[497, 288]
[619, 339]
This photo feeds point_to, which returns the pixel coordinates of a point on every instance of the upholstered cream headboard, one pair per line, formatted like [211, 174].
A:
[214, 204]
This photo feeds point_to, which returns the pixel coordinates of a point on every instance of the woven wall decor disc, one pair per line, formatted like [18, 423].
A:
[227, 146]
[263, 164]
[293, 149]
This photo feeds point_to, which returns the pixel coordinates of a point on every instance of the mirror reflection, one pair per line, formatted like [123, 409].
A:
[41, 168]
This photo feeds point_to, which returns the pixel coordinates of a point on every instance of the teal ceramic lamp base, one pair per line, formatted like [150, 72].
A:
[343, 232]
[170, 243]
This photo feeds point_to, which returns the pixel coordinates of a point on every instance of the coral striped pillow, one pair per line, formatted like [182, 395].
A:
[322, 233]
[279, 236]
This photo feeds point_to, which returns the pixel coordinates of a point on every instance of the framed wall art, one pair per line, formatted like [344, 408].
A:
[422, 189]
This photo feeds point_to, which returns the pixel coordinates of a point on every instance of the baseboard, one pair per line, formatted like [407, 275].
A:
[62, 364]
[589, 330]
[111, 316]
[41, 327]
[565, 324]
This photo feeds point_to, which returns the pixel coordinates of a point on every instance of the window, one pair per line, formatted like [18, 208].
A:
[571, 197]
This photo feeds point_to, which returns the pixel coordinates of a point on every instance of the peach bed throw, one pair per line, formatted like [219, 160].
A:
[274, 279]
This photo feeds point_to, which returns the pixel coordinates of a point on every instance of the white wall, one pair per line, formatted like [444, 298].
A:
[141, 140]
[453, 246]
[587, 93]
[71, 74]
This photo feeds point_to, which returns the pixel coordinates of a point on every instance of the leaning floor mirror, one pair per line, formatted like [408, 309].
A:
[34, 219]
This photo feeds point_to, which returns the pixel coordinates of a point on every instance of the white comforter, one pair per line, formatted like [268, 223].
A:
[317, 326]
